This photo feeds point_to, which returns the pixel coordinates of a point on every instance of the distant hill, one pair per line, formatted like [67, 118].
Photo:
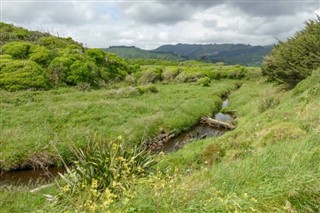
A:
[135, 52]
[227, 53]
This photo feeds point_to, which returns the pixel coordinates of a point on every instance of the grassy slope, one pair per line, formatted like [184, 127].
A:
[67, 116]
[271, 162]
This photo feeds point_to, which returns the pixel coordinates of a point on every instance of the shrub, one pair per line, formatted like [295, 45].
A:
[169, 75]
[82, 71]
[292, 61]
[149, 76]
[17, 49]
[148, 88]
[205, 81]
[5, 57]
[40, 54]
[116, 67]
[52, 42]
[18, 74]
[97, 55]
[58, 69]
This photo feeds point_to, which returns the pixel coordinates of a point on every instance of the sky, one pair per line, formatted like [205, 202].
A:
[150, 23]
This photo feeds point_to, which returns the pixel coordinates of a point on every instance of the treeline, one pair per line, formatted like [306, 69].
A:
[34, 60]
[292, 61]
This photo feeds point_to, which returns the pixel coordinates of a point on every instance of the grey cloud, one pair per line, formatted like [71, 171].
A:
[157, 13]
[210, 23]
[275, 8]
[67, 13]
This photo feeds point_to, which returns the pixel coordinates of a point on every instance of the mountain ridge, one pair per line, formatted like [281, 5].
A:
[244, 54]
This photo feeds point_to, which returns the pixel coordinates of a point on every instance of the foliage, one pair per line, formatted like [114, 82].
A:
[103, 167]
[41, 55]
[205, 81]
[19, 74]
[18, 49]
[150, 76]
[52, 42]
[9, 33]
[97, 55]
[294, 60]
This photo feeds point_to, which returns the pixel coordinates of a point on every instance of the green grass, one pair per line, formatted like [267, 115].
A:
[35, 121]
[271, 162]
[18, 198]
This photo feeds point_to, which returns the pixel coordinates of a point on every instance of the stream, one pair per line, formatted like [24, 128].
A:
[197, 132]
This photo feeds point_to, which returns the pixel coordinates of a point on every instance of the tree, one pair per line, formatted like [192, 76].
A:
[292, 61]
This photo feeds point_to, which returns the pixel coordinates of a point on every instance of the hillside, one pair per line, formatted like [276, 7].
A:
[227, 53]
[135, 52]
[35, 60]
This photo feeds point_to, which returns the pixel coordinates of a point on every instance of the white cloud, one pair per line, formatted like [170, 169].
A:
[149, 24]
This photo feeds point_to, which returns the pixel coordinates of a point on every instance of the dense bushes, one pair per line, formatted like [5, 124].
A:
[18, 50]
[292, 61]
[22, 74]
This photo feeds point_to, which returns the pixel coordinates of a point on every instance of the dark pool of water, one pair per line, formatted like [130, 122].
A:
[197, 132]
[31, 176]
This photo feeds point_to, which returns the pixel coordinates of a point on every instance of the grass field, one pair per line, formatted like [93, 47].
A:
[270, 163]
[35, 121]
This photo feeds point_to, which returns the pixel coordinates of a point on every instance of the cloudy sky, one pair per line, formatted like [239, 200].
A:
[151, 23]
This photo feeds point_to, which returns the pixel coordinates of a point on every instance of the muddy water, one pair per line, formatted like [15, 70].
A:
[197, 132]
[31, 176]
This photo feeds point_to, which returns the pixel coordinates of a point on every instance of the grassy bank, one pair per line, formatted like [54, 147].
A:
[33, 122]
[270, 163]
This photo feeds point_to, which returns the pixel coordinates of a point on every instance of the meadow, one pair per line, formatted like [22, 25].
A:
[58, 118]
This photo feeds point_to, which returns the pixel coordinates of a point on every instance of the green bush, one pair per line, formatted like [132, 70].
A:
[97, 55]
[58, 70]
[17, 49]
[205, 81]
[21, 74]
[82, 71]
[52, 42]
[292, 61]
[149, 76]
[5, 57]
[40, 54]
[148, 88]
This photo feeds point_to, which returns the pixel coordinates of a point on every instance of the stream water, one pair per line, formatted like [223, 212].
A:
[31, 176]
[196, 132]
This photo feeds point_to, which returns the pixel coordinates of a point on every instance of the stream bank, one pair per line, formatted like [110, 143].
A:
[169, 142]
[166, 142]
